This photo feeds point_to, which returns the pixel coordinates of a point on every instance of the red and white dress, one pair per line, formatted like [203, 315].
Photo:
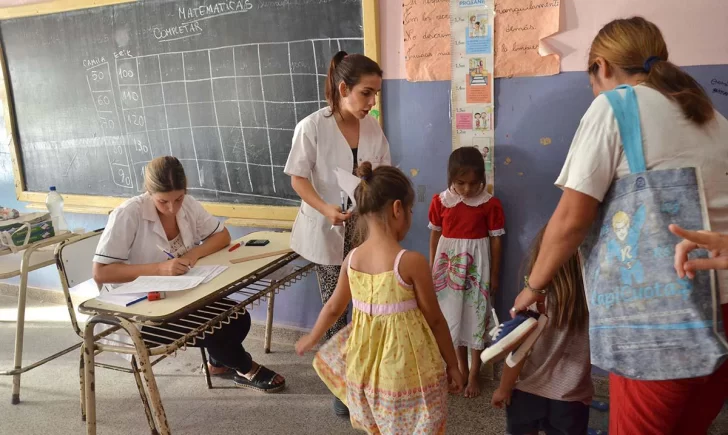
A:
[461, 269]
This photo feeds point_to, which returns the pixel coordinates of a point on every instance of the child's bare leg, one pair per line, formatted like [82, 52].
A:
[462, 352]
[473, 388]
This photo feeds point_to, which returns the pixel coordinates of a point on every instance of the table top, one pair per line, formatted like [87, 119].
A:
[43, 256]
[178, 303]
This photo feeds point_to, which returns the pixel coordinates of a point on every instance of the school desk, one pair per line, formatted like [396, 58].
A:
[20, 261]
[199, 311]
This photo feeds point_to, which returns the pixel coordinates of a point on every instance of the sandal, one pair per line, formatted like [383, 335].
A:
[262, 380]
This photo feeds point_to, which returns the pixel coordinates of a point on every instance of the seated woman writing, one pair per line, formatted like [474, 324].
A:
[165, 218]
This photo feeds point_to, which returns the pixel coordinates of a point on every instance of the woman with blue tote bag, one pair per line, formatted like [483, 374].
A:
[650, 151]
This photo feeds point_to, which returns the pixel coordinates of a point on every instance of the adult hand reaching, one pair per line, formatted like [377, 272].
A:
[714, 242]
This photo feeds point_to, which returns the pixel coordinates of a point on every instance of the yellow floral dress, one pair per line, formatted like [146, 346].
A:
[385, 365]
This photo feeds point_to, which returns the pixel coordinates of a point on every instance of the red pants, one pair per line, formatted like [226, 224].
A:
[675, 407]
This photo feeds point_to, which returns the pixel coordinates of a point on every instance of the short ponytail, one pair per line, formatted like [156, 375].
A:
[347, 68]
[636, 46]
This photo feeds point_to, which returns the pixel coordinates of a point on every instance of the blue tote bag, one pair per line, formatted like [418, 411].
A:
[644, 322]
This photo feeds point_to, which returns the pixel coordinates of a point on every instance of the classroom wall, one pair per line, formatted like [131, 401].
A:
[416, 120]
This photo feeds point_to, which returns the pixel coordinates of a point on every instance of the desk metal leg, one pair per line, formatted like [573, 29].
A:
[88, 377]
[269, 320]
[147, 375]
[20, 324]
[143, 394]
[82, 378]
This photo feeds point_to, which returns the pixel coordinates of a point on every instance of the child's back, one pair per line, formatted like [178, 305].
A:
[394, 375]
[559, 366]
[551, 389]
[387, 365]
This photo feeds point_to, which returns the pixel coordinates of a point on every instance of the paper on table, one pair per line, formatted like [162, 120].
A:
[145, 284]
[123, 300]
[520, 27]
[207, 272]
[348, 182]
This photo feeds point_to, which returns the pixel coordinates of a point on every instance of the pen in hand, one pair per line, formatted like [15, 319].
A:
[171, 257]
[343, 197]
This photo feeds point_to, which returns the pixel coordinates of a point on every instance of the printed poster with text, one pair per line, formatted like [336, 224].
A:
[471, 27]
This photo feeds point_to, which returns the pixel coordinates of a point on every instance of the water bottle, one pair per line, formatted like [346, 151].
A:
[54, 202]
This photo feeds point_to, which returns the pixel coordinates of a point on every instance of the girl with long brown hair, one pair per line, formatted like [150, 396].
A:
[551, 389]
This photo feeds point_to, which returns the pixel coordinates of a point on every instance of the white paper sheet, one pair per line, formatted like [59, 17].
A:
[207, 272]
[145, 284]
[123, 300]
[348, 182]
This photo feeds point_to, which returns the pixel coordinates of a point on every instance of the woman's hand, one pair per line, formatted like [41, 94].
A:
[714, 242]
[455, 380]
[334, 215]
[501, 397]
[192, 256]
[304, 344]
[525, 299]
[174, 267]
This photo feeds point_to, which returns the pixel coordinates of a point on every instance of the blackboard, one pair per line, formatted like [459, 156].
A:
[99, 92]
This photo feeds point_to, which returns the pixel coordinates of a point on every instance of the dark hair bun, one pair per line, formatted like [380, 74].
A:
[364, 170]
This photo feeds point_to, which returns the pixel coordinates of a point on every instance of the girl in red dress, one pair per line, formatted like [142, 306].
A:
[465, 253]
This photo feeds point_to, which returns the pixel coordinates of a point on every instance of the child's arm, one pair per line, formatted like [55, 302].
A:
[502, 396]
[434, 241]
[413, 268]
[330, 313]
[496, 255]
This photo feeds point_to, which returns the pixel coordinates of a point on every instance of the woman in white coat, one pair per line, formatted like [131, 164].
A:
[340, 135]
[166, 217]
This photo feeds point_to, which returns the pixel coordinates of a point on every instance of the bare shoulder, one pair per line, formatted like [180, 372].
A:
[413, 264]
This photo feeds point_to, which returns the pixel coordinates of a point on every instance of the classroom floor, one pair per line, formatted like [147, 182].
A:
[49, 394]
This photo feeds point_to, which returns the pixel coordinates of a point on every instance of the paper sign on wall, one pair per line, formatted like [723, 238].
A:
[520, 26]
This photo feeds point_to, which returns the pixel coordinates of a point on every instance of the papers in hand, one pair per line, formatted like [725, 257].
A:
[347, 182]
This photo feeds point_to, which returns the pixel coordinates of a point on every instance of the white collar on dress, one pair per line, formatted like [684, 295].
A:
[450, 198]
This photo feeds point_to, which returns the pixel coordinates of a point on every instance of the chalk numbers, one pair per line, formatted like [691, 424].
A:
[125, 73]
[124, 178]
[140, 147]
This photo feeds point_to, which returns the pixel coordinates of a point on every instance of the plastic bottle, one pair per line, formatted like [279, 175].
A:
[54, 202]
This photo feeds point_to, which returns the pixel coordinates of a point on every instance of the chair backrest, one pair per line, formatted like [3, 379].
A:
[74, 260]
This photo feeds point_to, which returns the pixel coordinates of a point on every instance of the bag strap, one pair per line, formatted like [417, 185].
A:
[627, 113]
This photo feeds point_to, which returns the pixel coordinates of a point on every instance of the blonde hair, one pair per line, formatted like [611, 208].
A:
[636, 46]
[566, 298]
[620, 217]
[164, 174]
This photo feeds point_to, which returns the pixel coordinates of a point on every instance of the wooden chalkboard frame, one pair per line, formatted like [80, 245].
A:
[238, 214]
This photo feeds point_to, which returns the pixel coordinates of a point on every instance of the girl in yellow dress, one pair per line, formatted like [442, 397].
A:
[387, 364]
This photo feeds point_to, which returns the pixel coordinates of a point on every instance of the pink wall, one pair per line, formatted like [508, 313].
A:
[696, 31]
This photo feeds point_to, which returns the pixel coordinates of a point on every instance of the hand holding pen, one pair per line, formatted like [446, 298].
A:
[339, 215]
[174, 266]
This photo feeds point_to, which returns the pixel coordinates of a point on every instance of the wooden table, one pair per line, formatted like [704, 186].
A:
[20, 262]
[201, 311]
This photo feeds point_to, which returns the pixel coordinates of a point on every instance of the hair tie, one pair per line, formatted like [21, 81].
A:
[650, 62]
[366, 177]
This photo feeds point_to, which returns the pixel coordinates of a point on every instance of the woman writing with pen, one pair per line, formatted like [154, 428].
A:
[338, 136]
[164, 232]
